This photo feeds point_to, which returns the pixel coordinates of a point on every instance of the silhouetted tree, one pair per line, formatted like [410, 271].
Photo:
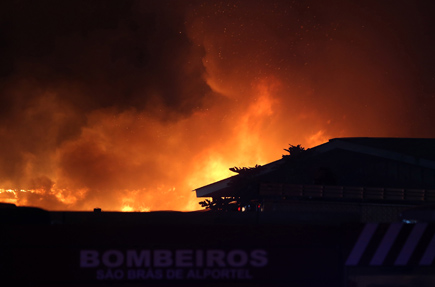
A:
[294, 151]
[245, 185]
[293, 166]
[221, 203]
[246, 170]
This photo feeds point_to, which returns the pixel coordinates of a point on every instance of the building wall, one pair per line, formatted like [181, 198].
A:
[335, 211]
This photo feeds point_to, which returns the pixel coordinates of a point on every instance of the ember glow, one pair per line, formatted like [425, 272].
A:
[130, 105]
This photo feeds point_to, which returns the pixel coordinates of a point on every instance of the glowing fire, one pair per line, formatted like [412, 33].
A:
[133, 119]
[8, 195]
[114, 155]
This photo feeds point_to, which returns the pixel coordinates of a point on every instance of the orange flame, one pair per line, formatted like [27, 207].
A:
[129, 161]
[269, 83]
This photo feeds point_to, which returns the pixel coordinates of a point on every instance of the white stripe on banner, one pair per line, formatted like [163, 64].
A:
[410, 244]
[429, 254]
[361, 245]
[386, 244]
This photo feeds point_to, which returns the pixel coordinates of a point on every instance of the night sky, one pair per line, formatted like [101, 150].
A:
[130, 105]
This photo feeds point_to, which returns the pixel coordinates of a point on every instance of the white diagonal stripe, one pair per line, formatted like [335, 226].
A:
[429, 253]
[410, 244]
[386, 243]
[361, 244]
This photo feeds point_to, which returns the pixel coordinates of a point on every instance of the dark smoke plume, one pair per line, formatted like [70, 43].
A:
[135, 103]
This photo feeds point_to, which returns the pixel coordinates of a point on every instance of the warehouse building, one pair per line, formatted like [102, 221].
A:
[356, 179]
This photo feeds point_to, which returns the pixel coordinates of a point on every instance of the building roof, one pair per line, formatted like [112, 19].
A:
[417, 147]
[219, 188]
[416, 151]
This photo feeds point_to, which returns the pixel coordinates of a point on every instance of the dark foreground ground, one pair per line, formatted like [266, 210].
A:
[41, 248]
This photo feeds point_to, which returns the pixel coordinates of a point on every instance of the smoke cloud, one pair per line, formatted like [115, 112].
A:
[130, 105]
